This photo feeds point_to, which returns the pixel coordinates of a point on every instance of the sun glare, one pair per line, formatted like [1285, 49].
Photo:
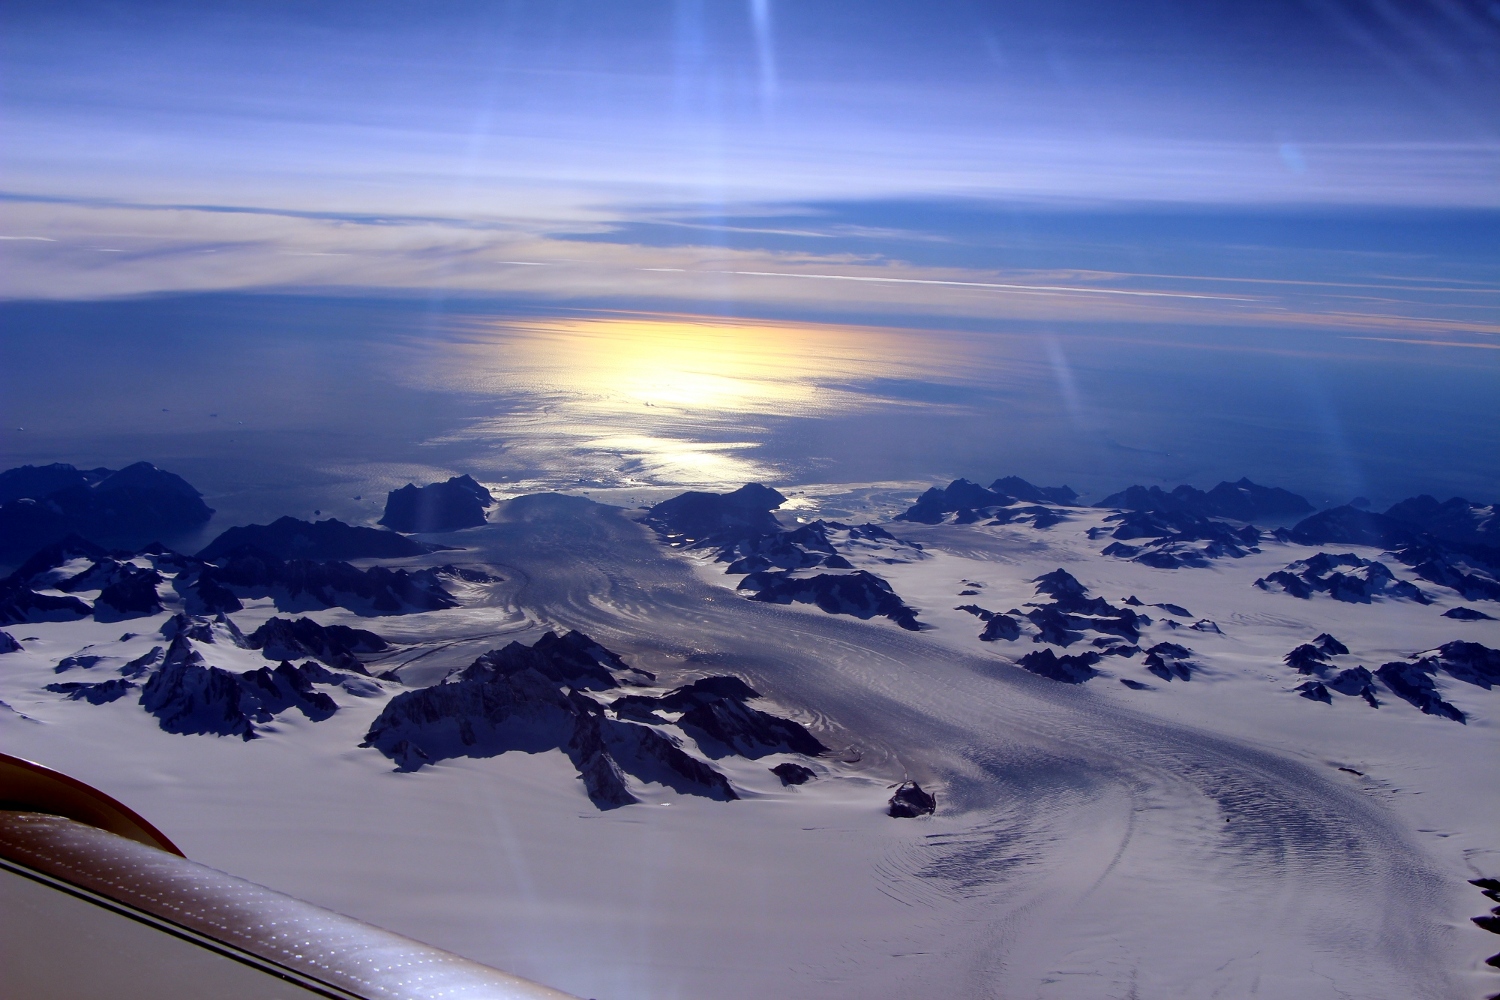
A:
[681, 364]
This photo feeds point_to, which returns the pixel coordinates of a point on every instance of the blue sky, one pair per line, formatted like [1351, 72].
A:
[1164, 206]
[265, 145]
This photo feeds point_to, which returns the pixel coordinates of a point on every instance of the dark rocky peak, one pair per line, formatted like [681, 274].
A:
[1470, 662]
[130, 593]
[1060, 585]
[813, 535]
[1345, 577]
[144, 663]
[1132, 524]
[1351, 526]
[143, 476]
[485, 712]
[1054, 626]
[573, 659]
[1020, 489]
[1073, 669]
[38, 482]
[1457, 520]
[43, 565]
[1413, 683]
[723, 724]
[1247, 501]
[1356, 681]
[299, 584]
[458, 503]
[1331, 646]
[695, 518]
[714, 712]
[336, 645]
[1315, 691]
[868, 532]
[1070, 596]
[1000, 628]
[1467, 615]
[1241, 501]
[1312, 657]
[959, 495]
[202, 629]
[1180, 539]
[131, 506]
[97, 693]
[1036, 516]
[1072, 612]
[201, 591]
[96, 576]
[804, 548]
[1168, 660]
[8, 643]
[1474, 571]
[793, 774]
[1307, 659]
[706, 690]
[602, 746]
[19, 603]
[910, 801]
[291, 538]
[860, 593]
[190, 697]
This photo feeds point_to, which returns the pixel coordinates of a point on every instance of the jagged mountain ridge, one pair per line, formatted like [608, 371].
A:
[42, 505]
[129, 582]
[330, 539]
[546, 697]
[802, 565]
[1238, 501]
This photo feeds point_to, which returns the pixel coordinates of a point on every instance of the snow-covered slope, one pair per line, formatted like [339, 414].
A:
[1207, 828]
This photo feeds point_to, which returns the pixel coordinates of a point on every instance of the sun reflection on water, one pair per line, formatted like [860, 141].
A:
[702, 364]
[643, 399]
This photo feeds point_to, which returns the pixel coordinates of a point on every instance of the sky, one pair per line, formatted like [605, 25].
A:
[1311, 179]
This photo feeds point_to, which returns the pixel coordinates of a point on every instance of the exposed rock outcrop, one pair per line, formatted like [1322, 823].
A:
[1346, 577]
[458, 503]
[336, 645]
[696, 519]
[972, 502]
[1073, 669]
[95, 694]
[1241, 501]
[793, 774]
[1168, 660]
[544, 697]
[859, 593]
[189, 696]
[291, 538]
[1072, 613]
[1179, 539]
[910, 801]
[297, 584]
[130, 506]
[803, 565]
[1413, 683]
